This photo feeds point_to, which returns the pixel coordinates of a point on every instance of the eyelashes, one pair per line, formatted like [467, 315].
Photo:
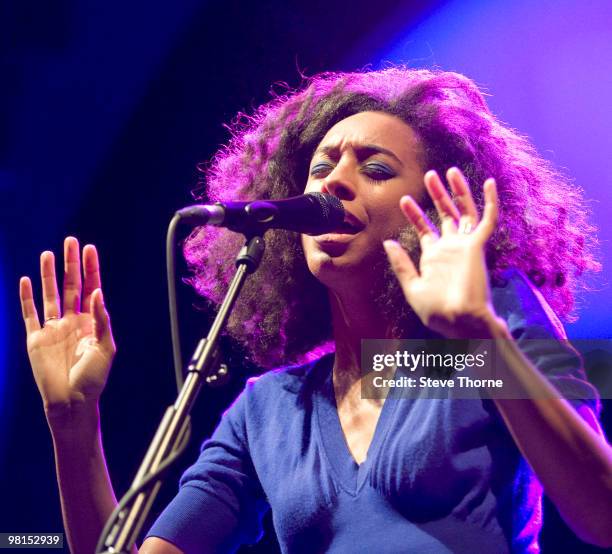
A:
[319, 169]
[378, 172]
[373, 171]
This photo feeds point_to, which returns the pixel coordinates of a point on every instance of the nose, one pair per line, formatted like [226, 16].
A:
[339, 184]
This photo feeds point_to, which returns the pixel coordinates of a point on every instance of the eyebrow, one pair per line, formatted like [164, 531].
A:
[365, 150]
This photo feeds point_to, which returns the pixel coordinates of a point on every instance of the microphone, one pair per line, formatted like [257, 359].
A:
[313, 214]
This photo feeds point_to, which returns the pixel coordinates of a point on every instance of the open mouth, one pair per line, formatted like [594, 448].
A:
[345, 228]
[350, 225]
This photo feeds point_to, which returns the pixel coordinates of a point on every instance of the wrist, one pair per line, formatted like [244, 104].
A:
[485, 324]
[496, 327]
[73, 422]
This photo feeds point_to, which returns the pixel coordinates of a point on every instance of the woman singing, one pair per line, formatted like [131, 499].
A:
[455, 229]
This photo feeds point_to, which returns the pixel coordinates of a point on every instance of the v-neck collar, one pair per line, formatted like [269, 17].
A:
[351, 476]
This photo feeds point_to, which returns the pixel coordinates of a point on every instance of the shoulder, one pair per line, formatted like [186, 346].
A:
[291, 379]
[519, 302]
[272, 403]
[279, 389]
[541, 337]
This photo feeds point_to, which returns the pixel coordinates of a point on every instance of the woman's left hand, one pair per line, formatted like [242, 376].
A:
[450, 290]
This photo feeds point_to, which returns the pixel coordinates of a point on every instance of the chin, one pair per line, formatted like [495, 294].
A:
[337, 271]
[341, 259]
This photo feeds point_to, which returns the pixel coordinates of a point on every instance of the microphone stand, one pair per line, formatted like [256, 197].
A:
[124, 524]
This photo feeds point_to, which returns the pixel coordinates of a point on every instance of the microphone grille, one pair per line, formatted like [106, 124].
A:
[332, 208]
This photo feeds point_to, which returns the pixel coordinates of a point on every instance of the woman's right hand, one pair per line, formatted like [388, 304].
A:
[71, 353]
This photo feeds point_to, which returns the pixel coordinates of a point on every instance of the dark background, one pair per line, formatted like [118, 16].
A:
[106, 108]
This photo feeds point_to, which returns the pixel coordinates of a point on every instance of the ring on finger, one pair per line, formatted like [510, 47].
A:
[465, 227]
[50, 319]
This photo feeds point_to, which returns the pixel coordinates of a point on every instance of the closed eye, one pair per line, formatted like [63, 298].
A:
[374, 171]
[378, 171]
[320, 169]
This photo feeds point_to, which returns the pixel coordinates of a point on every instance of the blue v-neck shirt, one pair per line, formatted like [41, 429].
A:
[441, 475]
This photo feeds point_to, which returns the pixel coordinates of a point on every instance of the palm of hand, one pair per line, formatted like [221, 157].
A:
[450, 291]
[71, 353]
[67, 361]
[452, 285]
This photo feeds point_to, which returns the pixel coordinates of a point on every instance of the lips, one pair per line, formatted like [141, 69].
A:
[351, 225]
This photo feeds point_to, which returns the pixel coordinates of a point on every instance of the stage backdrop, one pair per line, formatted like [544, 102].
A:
[107, 107]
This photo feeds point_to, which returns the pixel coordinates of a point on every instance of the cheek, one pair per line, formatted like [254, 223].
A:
[312, 186]
[387, 222]
[309, 251]
[386, 212]
[306, 243]
[397, 219]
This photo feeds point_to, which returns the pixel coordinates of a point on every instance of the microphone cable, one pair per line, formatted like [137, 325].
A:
[172, 304]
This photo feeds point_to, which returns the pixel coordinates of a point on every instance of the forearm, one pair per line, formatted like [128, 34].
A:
[86, 493]
[571, 459]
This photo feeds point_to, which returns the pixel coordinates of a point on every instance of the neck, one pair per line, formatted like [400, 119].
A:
[356, 316]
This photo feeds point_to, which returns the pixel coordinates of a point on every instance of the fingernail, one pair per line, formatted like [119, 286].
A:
[390, 245]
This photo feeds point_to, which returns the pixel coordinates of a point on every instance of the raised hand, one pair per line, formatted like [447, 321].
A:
[72, 351]
[450, 290]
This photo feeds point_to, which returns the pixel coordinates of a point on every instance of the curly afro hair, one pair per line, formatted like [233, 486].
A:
[283, 313]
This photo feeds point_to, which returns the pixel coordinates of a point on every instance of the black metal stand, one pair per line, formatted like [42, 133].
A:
[126, 521]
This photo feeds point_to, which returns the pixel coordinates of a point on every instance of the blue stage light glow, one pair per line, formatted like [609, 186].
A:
[3, 344]
[548, 69]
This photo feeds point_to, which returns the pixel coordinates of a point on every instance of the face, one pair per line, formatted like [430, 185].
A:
[369, 161]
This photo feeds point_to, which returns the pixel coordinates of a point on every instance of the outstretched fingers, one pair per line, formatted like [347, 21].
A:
[462, 196]
[447, 210]
[424, 228]
[91, 271]
[490, 214]
[28, 308]
[101, 321]
[51, 301]
[402, 265]
[72, 276]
